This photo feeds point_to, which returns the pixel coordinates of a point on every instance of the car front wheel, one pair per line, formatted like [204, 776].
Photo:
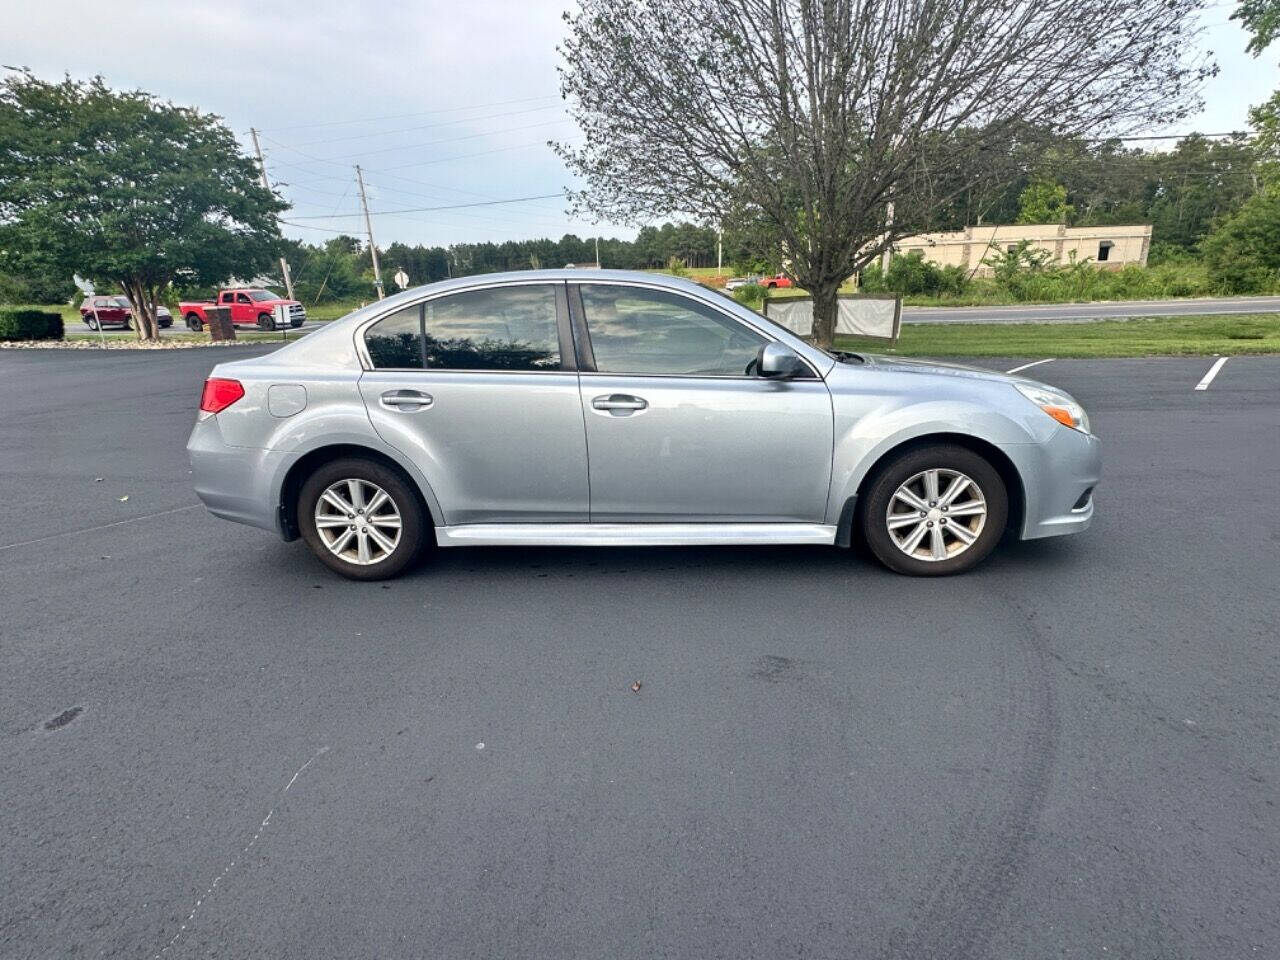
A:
[264, 321]
[934, 510]
[361, 519]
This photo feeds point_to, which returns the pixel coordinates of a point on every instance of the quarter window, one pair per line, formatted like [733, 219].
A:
[504, 328]
[634, 330]
[396, 342]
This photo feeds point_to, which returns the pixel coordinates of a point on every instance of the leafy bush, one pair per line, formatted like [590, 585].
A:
[1243, 253]
[751, 295]
[913, 275]
[1025, 275]
[30, 325]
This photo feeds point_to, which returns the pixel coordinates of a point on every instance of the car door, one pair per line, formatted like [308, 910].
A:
[243, 311]
[679, 428]
[479, 388]
[228, 300]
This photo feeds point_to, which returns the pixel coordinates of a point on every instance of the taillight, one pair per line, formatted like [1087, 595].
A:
[220, 394]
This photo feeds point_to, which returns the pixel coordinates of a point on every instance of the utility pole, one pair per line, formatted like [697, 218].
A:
[368, 226]
[719, 250]
[598, 253]
[262, 167]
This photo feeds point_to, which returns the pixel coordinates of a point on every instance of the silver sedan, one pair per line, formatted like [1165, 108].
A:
[606, 408]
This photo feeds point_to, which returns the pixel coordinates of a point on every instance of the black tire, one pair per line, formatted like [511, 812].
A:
[264, 321]
[412, 521]
[165, 324]
[126, 324]
[92, 321]
[194, 323]
[881, 489]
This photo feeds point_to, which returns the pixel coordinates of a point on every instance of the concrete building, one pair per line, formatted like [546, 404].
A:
[1106, 247]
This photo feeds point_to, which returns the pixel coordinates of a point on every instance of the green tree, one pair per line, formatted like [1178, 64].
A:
[1243, 253]
[126, 189]
[1260, 18]
[1044, 201]
[822, 115]
[1265, 120]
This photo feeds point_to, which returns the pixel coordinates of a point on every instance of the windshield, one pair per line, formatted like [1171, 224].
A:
[260, 295]
[120, 302]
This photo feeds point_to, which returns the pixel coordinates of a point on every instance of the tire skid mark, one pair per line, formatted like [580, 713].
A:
[244, 851]
[958, 917]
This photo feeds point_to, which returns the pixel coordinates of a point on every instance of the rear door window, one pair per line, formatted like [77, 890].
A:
[503, 328]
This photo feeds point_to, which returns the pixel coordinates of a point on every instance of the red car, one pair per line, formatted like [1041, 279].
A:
[249, 306]
[115, 312]
[779, 280]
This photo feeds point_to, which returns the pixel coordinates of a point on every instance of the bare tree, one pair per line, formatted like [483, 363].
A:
[818, 114]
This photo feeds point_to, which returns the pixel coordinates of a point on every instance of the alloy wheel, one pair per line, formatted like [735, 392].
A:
[936, 515]
[358, 521]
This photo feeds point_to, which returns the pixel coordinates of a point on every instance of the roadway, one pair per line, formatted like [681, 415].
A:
[1085, 312]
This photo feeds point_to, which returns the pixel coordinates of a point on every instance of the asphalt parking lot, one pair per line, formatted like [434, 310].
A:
[211, 747]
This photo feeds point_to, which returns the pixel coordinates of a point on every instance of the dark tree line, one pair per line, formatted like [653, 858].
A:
[341, 269]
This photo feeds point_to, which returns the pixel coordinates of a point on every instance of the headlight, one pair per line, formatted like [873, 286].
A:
[1057, 405]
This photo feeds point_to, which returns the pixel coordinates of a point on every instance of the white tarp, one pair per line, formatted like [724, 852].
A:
[861, 316]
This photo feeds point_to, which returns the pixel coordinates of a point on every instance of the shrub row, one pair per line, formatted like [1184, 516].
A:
[1018, 279]
[30, 324]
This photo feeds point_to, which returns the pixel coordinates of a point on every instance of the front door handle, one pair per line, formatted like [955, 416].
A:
[405, 401]
[621, 403]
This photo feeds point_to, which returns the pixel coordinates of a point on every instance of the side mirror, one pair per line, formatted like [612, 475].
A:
[778, 362]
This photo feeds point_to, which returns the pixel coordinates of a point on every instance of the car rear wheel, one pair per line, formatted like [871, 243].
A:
[194, 323]
[361, 519]
[934, 510]
[92, 322]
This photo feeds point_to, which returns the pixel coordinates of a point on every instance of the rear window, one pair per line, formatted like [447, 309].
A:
[505, 328]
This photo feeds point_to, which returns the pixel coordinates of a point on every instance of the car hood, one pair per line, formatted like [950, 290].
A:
[937, 368]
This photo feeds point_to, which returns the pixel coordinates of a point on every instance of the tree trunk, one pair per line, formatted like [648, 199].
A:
[144, 309]
[824, 314]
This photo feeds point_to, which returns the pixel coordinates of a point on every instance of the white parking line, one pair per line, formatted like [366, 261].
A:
[101, 526]
[1034, 363]
[1213, 372]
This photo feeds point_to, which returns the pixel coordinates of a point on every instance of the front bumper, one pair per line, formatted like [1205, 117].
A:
[1058, 480]
[235, 483]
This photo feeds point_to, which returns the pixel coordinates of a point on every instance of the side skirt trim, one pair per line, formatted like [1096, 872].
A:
[631, 534]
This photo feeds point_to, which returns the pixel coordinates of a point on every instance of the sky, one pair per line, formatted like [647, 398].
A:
[442, 103]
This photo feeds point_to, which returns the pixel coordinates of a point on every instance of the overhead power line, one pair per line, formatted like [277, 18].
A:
[405, 116]
[426, 126]
[337, 160]
[453, 206]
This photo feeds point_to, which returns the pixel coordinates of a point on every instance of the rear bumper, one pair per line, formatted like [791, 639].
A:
[235, 483]
[1058, 478]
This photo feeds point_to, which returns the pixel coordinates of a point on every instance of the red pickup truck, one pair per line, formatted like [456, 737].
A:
[779, 280]
[249, 305]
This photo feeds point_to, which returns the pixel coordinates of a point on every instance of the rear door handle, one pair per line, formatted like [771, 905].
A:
[406, 401]
[622, 402]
